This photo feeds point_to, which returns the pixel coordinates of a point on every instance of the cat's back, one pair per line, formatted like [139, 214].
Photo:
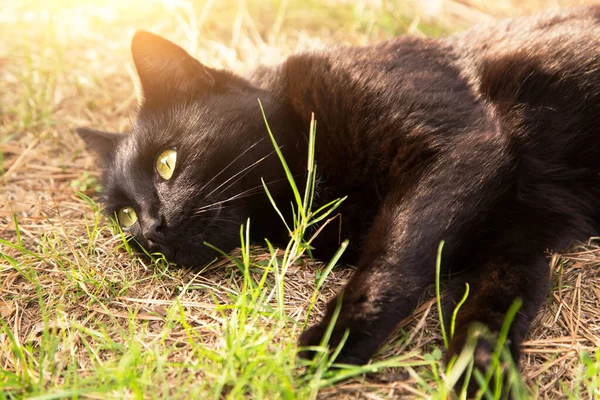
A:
[400, 80]
[444, 77]
[541, 76]
[391, 104]
[556, 33]
[403, 99]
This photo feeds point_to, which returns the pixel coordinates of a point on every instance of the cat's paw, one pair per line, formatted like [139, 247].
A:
[483, 360]
[357, 348]
[313, 337]
[310, 338]
[358, 323]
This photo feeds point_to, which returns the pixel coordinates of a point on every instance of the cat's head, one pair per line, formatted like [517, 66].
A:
[190, 171]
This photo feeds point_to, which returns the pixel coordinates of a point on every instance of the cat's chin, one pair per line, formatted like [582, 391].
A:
[153, 249]
[192, 257]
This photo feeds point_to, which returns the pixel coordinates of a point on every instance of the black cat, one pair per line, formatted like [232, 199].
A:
[488, 140]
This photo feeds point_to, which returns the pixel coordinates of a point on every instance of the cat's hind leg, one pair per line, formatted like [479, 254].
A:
[494, 287]
[515, 268]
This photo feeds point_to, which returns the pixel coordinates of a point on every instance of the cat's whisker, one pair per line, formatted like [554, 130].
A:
[234, 197]
[238, 196]
[244, 170]
[246, 193]
[229, 165]
[226, 220]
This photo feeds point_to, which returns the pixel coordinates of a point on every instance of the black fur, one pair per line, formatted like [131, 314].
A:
[488, 140]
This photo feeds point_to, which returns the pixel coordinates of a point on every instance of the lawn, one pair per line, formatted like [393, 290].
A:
[83, 316]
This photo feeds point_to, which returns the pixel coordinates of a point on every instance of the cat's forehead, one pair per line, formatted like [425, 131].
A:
[186, 128]
[178, 122]
[126, 149]
[196, 127]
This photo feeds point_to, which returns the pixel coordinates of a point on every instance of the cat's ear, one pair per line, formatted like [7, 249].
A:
[102, 143]
[165, 68]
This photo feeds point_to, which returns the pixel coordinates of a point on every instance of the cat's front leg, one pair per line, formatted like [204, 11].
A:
[386, 287]
[452, 202]
[370, 306]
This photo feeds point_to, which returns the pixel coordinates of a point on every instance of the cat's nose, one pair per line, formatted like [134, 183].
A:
[155, 232]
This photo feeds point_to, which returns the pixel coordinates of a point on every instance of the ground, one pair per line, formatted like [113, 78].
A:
[82, 316]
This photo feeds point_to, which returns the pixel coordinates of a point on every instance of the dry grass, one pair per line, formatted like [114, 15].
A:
[66, 64]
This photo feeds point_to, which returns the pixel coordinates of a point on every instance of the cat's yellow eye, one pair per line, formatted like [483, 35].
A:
[165, 163]
[127, 217]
